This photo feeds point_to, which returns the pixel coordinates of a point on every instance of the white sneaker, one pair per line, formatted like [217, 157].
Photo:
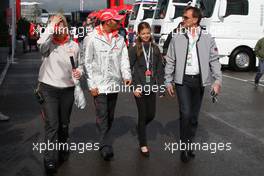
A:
[3, 117]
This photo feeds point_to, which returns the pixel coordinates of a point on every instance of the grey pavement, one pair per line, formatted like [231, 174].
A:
[237, 118]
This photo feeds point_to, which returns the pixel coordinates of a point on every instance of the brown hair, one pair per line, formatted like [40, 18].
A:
[196, 13]
[141, 26]
[64, 20]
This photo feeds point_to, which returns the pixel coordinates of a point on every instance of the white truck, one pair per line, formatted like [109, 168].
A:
[236, 25]
[143, 10]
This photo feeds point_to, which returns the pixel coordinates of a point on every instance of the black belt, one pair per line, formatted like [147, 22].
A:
[194, 76]
[43, 85]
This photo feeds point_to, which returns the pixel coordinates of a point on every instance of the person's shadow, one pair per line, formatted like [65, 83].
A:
[121, 126]
[84, 133]
[126, 124]
[172, 129]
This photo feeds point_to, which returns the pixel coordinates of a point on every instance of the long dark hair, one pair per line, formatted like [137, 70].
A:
[141, 26]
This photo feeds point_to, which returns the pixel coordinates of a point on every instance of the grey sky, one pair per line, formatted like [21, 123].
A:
[72, 5]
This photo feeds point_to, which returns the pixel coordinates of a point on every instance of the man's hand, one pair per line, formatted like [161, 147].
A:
[170, 90]
[94, 92]
[217, 88]
[137, 93]
[76, 74]
[127, 82]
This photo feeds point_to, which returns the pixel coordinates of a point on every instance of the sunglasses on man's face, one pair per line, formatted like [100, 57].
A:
[185, 18]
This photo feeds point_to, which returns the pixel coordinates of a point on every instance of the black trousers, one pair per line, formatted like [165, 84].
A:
[105, 112]
[146, 105]
[57, 109]
[190, 96]
[260, 71]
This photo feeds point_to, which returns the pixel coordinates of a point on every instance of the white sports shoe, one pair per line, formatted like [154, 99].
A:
[3, 117]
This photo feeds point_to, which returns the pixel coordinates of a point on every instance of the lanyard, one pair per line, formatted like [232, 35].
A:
[147, 57]
[192, 44]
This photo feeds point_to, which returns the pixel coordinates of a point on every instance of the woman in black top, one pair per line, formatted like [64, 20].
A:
[148, 79]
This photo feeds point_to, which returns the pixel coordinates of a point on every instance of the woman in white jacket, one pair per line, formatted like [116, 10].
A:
[56, 86]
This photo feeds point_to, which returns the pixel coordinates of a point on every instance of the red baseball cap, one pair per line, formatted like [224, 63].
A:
[110, 14]
[92, 15]
[99, 13]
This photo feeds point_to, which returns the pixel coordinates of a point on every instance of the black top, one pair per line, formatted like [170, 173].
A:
[139, 66]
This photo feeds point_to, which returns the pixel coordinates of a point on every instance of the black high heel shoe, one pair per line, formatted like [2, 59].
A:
[63, 156]
[191, 154]
[185, 157]
[107, 152]
[50, 167]
[145, 154]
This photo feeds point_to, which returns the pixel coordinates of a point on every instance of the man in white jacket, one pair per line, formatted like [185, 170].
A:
[107, 66]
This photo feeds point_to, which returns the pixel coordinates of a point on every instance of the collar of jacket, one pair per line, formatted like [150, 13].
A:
[61, 41]
[99, 30]
[100, 35]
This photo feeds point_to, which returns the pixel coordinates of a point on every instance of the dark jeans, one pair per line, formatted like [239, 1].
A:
[190, 96]
[105, 111]
[146, 105]
[32, 42]
[260, 71]
[57, 109]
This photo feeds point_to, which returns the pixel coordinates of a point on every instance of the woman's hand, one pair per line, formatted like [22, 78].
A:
[127, 82]
[76, 74]
[55, 20]
[94, 92]
[137, 92]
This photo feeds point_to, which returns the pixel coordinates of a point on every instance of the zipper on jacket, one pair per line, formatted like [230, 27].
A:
[199, 64]
[186, 36]
[198, 56]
